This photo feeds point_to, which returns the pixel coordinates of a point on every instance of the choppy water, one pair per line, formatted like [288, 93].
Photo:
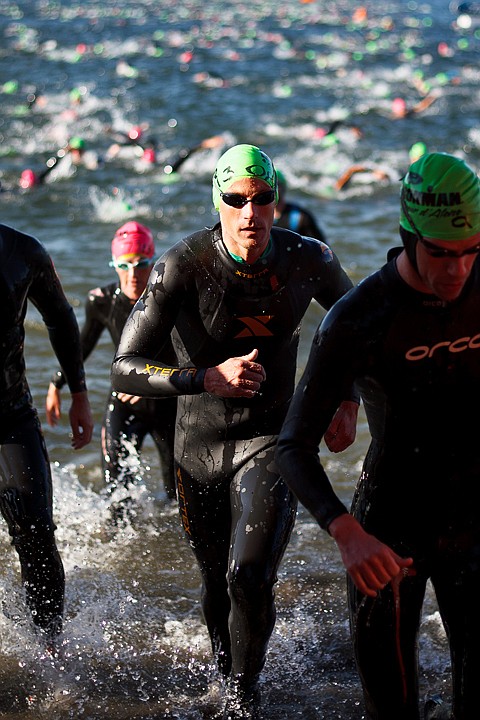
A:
[266, 72]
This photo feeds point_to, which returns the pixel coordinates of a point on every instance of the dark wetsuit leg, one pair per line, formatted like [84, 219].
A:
[385, 628]
[263, 515]
[124, 430]
[163, 434]
[385, 634]
[206, 517]
[456, 580]
[122, 438]
[243, 527]
[26, 505]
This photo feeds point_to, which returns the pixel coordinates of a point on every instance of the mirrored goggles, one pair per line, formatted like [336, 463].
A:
[125, 265]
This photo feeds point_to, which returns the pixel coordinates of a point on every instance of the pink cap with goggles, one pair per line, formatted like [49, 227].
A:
[133, 239]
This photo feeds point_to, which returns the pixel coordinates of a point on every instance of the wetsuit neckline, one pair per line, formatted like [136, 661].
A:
[240, 260]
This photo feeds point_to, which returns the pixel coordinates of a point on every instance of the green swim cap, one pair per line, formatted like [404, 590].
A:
[281, 179]
[77, 143]
[242, 161]
[440, 198]
[75, 95]
[416, 151]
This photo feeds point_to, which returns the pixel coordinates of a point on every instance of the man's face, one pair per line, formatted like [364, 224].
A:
[246, 230]
[444, 266]
[133, 272]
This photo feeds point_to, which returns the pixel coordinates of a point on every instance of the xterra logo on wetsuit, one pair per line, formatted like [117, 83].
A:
[255, 326]
[156, 370]
[453, 346]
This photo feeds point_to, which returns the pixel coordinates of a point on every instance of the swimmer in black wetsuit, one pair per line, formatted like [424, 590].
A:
[233, 297]
[408, 336]
[294, 217]
[27, 273]
[134, 144]
[128, 419]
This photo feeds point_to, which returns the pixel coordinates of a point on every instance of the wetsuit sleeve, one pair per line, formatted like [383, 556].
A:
[333, 281]
[89, 336]
[138, 367]
[334, 284]
[323, 385]
[178, 161]
[47, 295]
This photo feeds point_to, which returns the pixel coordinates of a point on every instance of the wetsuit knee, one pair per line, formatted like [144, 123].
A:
[19, 520]
[248, 584]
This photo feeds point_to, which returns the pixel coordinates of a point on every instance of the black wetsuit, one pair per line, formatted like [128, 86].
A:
[27, 273]
[125, 425]
[300, 220]
[416, 361]
[236, 511]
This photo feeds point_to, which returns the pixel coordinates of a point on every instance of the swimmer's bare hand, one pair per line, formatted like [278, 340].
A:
[343, 428]
[53, 405]
[126, 398]
[212, 142]
[370, 563]
[236, 377]
[81, 420]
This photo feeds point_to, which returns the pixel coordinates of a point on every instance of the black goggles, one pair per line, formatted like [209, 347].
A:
[239, 201]
[438, 252]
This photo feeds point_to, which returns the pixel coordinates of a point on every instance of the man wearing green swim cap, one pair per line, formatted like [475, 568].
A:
[439, 204]
[242, 162]
[408, 336]
[232, 298]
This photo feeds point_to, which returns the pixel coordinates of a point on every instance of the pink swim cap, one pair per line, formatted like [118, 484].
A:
[133, 239]
[149, 155]
[27, 179]
[399, 106]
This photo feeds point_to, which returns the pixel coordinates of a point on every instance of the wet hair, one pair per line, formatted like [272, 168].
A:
[410, 241]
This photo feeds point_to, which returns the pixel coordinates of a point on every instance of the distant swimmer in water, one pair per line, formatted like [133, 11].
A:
[210, 143]
[400, 109]
[232, 298]
[332, 133]
[377, 173]
[63, 164]
[135, 145]
[76, 154]
[129, 143]
[292, 216]
[128, 419]
[374, 173]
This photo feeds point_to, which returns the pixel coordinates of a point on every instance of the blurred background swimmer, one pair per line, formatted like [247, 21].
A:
[292, 216]
[128, 419]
